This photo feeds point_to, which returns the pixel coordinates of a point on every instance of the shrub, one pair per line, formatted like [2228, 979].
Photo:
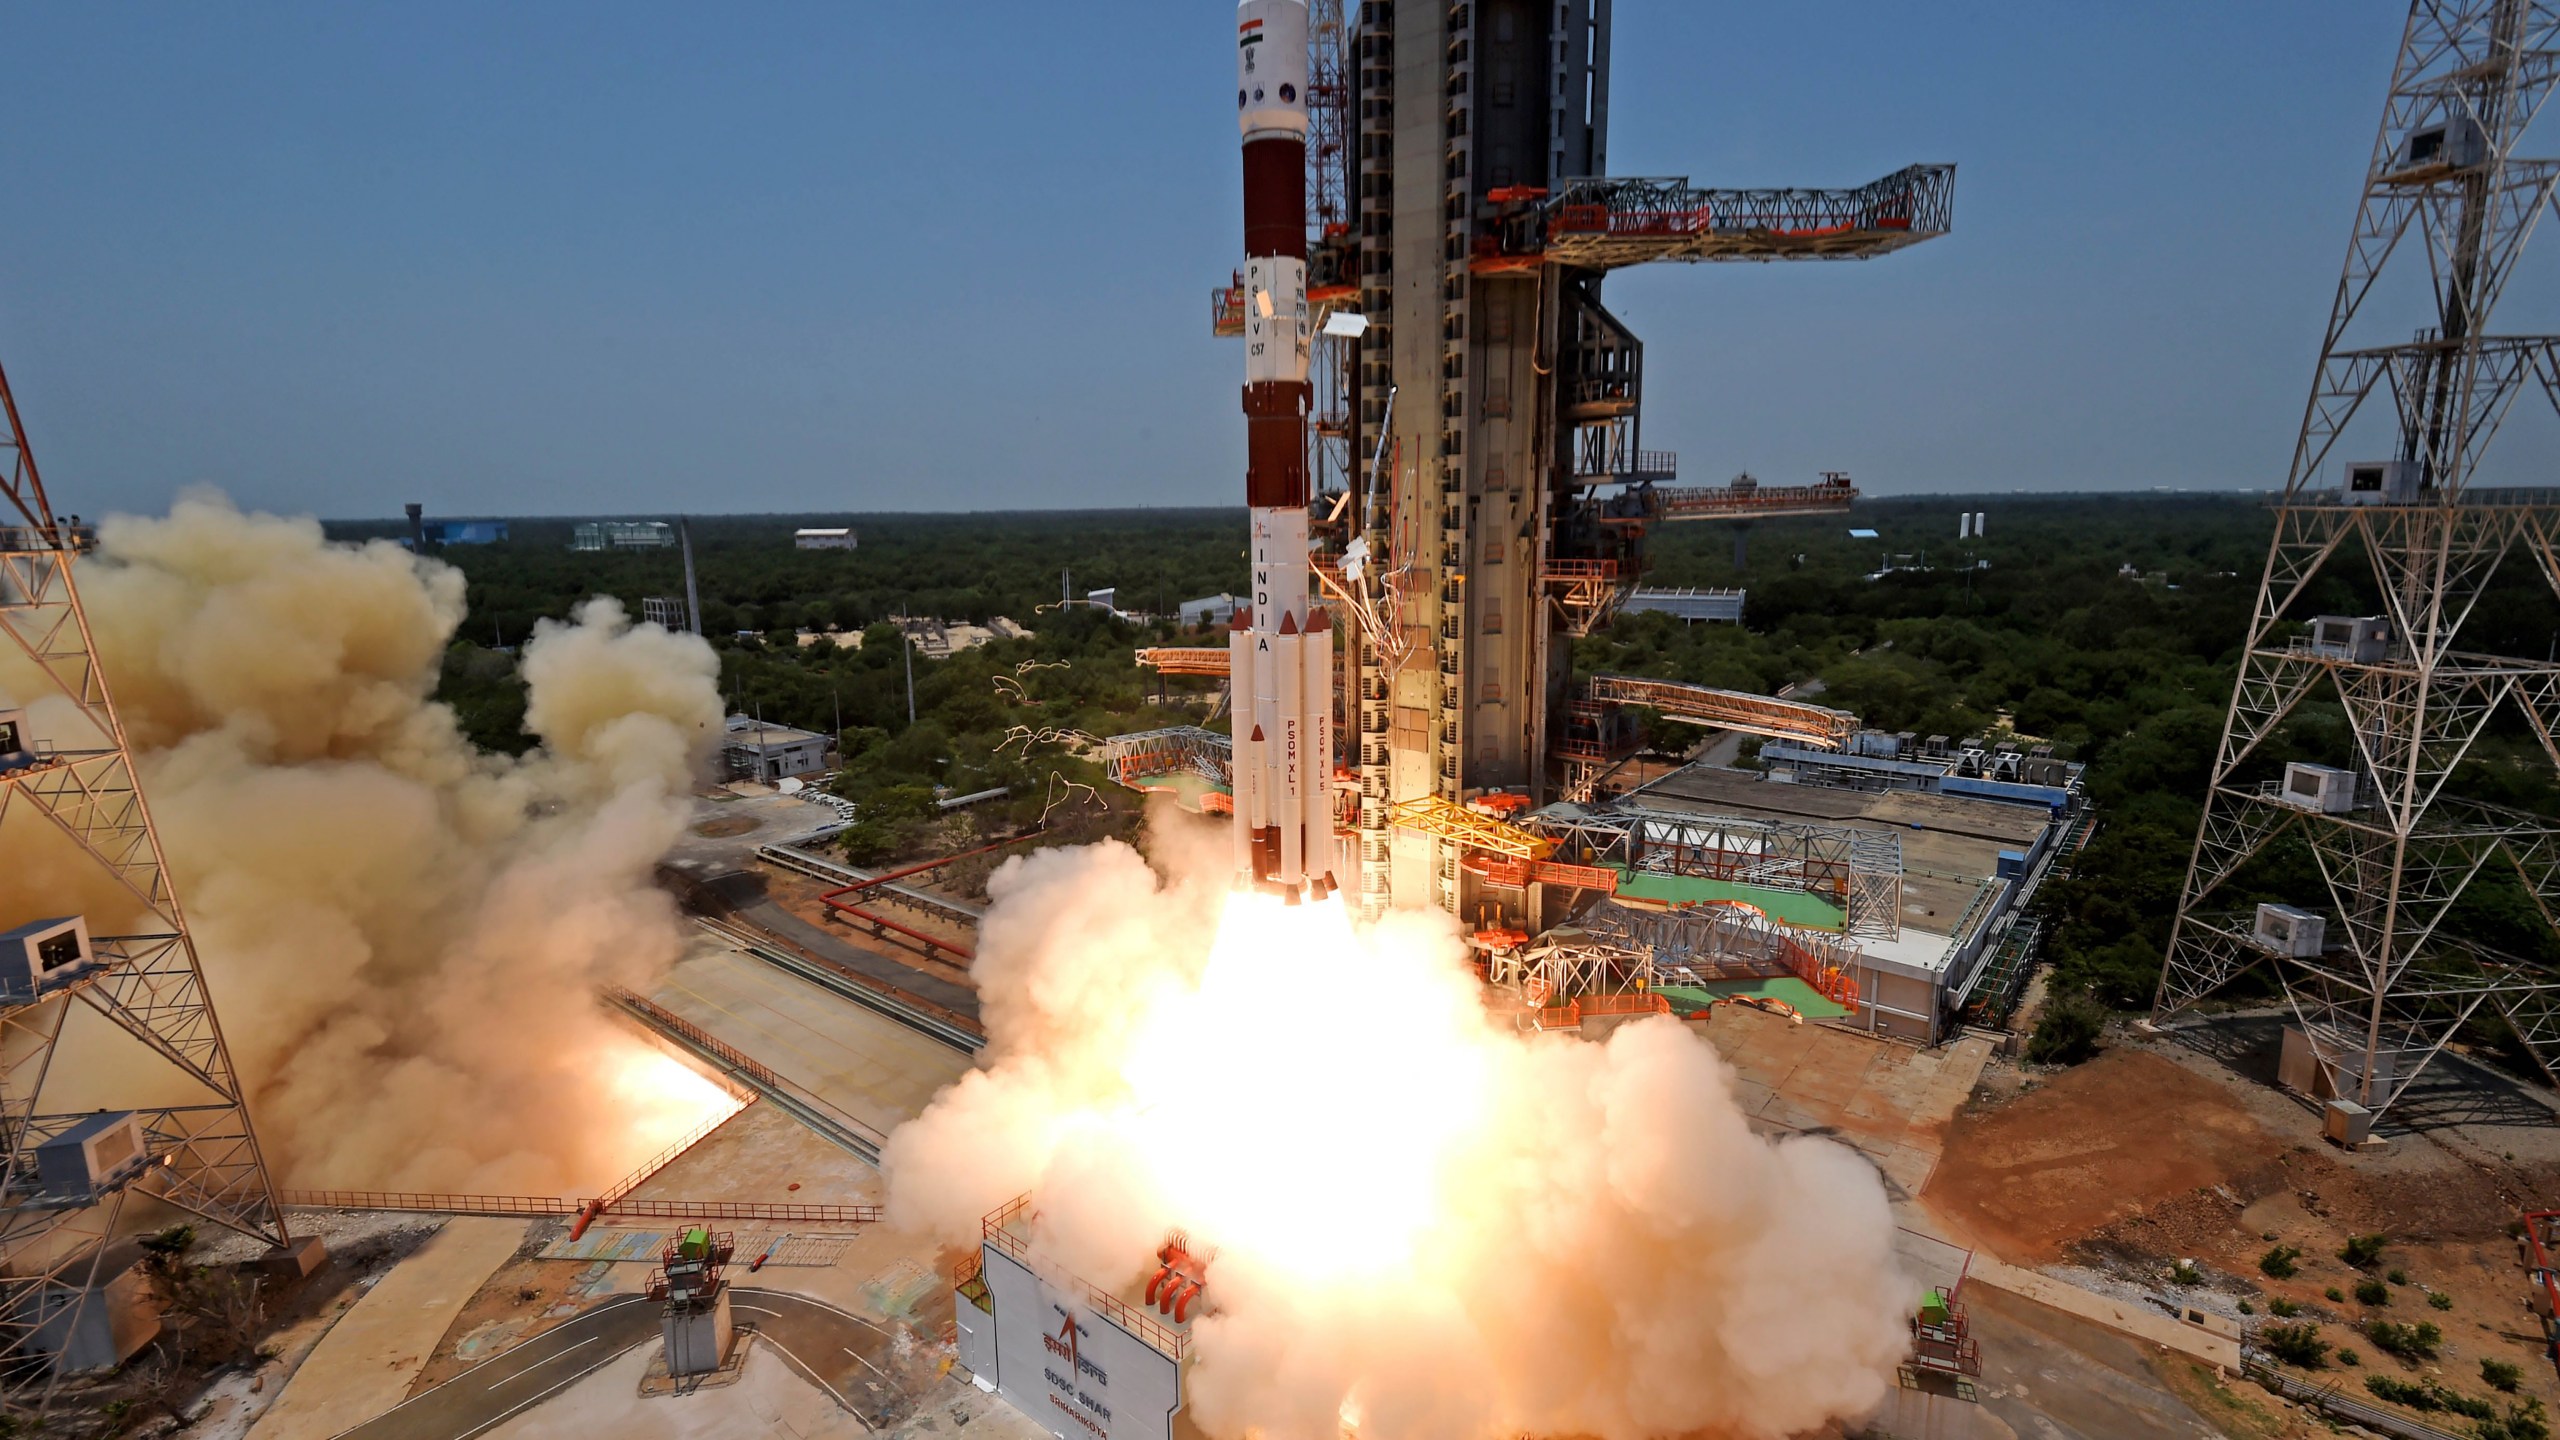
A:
[2409, 1342]
[2428, 1395]
[2349, 1357]
[2068, 1030]
[2439, 1300]
[2398, 1277]
[2373, 1292]
[2500, 1375]
[2525, 1421]
[2186, 1273]
[2296, 1345]
[2400, 1392]
[2247, 1309]
[2362, 1250]
[2336, 1295]
[2283, 1309]
[2277, 1264]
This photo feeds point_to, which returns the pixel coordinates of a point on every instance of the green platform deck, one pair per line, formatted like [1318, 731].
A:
[1808, 1001]
[1185, 787]
[1787, 907]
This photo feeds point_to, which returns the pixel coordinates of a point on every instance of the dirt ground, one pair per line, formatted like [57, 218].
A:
[2174, 1149]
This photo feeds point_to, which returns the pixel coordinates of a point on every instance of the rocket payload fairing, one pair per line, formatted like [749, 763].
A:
[1281, 650]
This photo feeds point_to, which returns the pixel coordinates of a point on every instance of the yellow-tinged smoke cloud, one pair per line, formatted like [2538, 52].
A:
[1440, 1227]
[404, 936]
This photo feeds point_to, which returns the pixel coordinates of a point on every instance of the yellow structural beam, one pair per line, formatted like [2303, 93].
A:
[1445, 820]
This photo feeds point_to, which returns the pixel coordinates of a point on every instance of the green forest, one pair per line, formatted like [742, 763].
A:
[2107, 625]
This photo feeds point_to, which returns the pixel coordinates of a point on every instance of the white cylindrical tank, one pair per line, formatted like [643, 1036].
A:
[1271, 66]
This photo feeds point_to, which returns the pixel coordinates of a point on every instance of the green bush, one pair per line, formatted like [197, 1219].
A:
[2401, 1392]
[2439, 1300]
[2297, 1345]
[2524, 1421]
[2398, 1277]
[2348, 1357]
[2428, 1395]
[2283, 1308]
[2336, 1295]
[2277, 1264]
[2362, 1250]
[2409, 1342]
[2500, 1375]
[2373, 1292]
[2068, 1030]
[2186, 1273]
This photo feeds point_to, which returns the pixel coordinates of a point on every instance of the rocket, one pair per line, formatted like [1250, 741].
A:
[1281, 649]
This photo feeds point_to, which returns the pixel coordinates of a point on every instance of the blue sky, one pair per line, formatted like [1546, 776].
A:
[556, 259]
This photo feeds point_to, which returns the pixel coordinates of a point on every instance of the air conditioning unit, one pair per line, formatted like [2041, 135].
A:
[2365, 639]
[91, 1156]
[2319, 788]
[2453, 143]
[2381, 482]
[2291, 932]
[42, 954]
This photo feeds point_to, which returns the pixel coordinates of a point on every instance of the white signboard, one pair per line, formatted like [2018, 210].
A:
[1069, 1367]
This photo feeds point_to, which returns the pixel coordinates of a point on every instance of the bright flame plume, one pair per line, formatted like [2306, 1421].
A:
[1418, 1216]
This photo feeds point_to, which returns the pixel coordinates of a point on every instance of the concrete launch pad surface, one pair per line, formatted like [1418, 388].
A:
[861, 1062]
[363, 1366]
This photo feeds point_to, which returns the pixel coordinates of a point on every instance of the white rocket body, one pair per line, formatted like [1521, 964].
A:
[1281, 652]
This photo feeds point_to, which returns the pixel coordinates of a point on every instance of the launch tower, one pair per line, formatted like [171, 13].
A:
[2379, 960]
[1514, 490]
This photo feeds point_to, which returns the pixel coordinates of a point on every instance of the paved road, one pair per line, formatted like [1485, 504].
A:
[844, 1354]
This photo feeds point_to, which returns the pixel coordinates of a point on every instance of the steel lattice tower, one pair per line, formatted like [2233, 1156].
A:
[2394, 977]
[79, 796]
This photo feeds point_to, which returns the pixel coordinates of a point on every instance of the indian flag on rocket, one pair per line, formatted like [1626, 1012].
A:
[1249, 33]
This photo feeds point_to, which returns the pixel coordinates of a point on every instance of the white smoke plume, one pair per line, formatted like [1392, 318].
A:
[404, 936]
[1424, 1224]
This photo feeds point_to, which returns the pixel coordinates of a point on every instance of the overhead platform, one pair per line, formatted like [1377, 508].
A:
[1811, 725]
[1603, 224]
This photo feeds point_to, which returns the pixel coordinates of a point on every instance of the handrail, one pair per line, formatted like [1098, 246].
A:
[1164, 1340]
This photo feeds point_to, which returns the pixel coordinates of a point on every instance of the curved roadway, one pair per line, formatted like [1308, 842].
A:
[836, 1349]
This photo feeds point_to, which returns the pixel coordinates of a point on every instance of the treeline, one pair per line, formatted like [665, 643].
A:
[954, 567]
[2108, 625]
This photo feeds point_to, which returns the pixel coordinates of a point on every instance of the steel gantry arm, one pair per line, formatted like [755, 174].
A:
[1603, 224]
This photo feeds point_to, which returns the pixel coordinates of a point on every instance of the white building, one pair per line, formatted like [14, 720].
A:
[771, 753]
[1208, 610]
[836, 539]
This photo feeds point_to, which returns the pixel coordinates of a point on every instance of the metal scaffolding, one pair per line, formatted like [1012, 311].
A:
[79, 784]
[1859, 870]
[2380, 975]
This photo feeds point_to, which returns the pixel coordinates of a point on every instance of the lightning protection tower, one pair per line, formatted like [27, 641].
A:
[118, 1102]
[2375, 850]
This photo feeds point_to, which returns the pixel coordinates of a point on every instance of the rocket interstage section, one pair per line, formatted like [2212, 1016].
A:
[1281, 650]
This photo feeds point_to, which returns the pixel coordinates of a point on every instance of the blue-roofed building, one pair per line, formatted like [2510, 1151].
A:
[463, 532]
